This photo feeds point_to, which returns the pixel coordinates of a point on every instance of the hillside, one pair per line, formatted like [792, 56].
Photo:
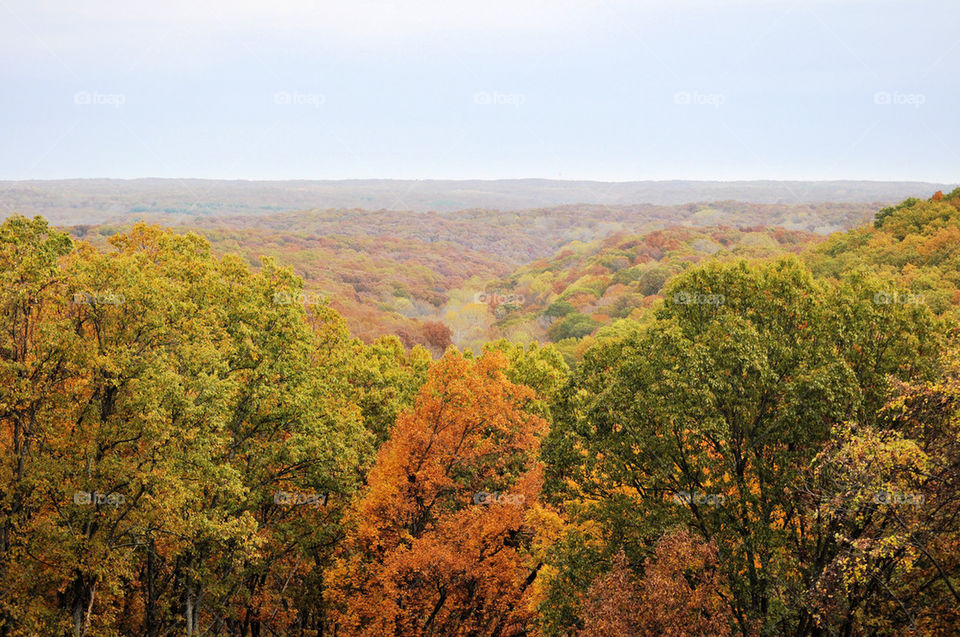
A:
[387, 275]
[915, 245]
[587, 285]
[556, 274]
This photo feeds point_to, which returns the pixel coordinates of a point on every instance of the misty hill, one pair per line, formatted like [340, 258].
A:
[76, 201]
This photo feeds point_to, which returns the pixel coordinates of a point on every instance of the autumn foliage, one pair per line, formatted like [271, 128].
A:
[681, 594]
[741, 431]
[437, 544]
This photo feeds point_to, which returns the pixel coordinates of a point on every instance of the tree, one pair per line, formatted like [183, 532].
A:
[710, 416]
[385, 379]
[573, 325]
[541, 368]
[681, 594]
[437, 543]
[38, 361]
[156, 401]
[884, 505]
[437, 335]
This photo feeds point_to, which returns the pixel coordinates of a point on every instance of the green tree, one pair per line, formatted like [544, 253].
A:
[710, 416]
[155, 403]
[573, 325]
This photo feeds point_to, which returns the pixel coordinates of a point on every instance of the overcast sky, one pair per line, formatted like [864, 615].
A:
[612, 90]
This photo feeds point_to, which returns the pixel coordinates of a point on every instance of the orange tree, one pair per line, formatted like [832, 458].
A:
[439, 542]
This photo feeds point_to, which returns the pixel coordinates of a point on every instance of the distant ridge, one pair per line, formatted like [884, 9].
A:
[96, 200]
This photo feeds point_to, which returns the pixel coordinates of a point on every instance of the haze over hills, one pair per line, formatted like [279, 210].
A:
[77, 201]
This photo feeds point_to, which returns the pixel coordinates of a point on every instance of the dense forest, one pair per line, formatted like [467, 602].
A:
[410, 274]
[711, 429]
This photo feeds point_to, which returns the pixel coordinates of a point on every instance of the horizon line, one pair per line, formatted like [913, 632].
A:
[490, 179]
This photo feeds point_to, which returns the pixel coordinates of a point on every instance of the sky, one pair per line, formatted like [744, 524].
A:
[610, 90]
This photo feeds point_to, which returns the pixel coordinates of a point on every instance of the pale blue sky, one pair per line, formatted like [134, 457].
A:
[612, 90]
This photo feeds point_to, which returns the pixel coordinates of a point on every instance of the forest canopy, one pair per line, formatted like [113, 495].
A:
[687, 431]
